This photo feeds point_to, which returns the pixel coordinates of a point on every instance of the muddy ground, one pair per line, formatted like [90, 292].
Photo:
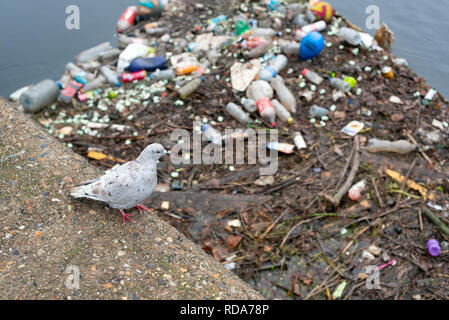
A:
[289, 241]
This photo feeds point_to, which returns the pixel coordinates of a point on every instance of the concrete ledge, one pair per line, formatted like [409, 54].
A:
[43, 231]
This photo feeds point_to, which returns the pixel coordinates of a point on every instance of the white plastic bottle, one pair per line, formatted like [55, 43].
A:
[282, 112]
[399, 146]
[211, 134]
[340, 84]
[237, 113]
[95, 84]
[299, 141]
[284, 94]
[259, 91]
[39, 96]
[110, 75]
[351, 36]
[74, 71]
[291, 48]
[273, 68]
[317, 111]
[189, 88]
[312, 76]
[127, 18]
[260, 50]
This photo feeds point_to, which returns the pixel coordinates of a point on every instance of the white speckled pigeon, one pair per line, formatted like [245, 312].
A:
[125, 186]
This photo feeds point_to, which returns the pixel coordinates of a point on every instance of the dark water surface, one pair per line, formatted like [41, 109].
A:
[35, 44]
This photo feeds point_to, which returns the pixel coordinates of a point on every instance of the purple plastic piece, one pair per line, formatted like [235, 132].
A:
[433, 247]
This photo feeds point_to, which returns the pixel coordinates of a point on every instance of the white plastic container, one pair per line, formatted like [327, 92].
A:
[340, 84]
[312, 76]
[284, 94]
[211, 134]
[282, 112]
[237, 113]
[351, 36]
[39, 96]
[110, 75]
[249, 105]
[274, 67]
[399, 146]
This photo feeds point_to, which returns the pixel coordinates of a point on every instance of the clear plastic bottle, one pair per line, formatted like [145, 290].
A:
[211, 134]
[399, 146]
[284, 94]
[39, 95]
[249, 105]
[260, 50]
[127, 19]
[75, 71]
[294, 9]
[273, 68]
[110, 75]
[95, 84]
[300, 20]
[317, 111]
[189, 88]
[123, 41]
[312, 76]
[258, 91]
[282, 112]
[92, 53]
[351, 36]
[237, 113]
[291, 48]
[340, 84]
[109, 55]
[159, 75]
[264, 32]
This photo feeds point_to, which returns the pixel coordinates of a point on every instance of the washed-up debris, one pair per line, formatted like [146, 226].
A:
[242, 74]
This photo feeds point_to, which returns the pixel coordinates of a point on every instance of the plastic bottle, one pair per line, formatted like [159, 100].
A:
[433, 247]
[249, 105]
[189, 88]
[273, 68]
[241, 27]
[39, 95]
[154, 32]
[399, 146]
[159, 75]
[69, 91]
[351, 36]
[95, 84]
[281, 147]
[204, 65]
[260, 50]
[299, 141]
[340, 84]
[317, 26]
[127, 19]
[132, 51]
[123, 41]
[291, 48]
[264, 32]
[282, 112]
[91, 65]
[76, 71]
[180, 71]
[109, 55]
[211, 134]
[284, 94]
[92, 53]
[148, 64]
[294, 9]
[259, 92]
[317, 111]
[110, 75]
[300, 20]
[138, 75]
[237, 113]
[312, 76]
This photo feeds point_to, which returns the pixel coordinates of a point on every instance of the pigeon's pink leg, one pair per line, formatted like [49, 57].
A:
[142, 207]
[126, 216]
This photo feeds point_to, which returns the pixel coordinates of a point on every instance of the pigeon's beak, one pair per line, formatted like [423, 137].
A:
[166, 152]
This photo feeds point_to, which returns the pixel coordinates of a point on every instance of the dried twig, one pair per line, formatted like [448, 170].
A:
[440, 224]
[354, 169]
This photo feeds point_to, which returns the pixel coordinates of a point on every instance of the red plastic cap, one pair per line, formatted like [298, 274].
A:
[304, 72]
[273, 124]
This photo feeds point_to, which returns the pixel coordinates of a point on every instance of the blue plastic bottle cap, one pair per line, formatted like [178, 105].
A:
[204, 127]
[311, 45]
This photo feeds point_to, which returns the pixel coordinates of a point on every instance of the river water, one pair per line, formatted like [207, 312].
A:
[35, 43]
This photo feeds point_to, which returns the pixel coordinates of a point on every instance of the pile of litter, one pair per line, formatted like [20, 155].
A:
[362, 179]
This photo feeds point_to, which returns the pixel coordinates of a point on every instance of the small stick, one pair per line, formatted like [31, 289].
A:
[354, 168]
[409, 172]
[420, 219]
[440, 224]
[274, 223]
[377, 193]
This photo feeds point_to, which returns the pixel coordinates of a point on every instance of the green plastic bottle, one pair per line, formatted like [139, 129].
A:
[241, 27]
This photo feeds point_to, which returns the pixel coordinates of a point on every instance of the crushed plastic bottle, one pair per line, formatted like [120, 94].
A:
[312, 76]
[340, 84]
[189, 88]
[108, 56]
[127, 19]
[237, 113]
[211, 134]
[317, 111]
[110, 75]
[399, 146]
[76, 71]
[285, 95]
[273, 68]
[39, 95]
[159, 75]
[351, 36]
[282, 112]
[291, 48]
[260, 50]
[95, 84]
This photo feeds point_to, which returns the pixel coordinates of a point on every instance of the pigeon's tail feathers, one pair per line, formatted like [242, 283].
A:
[77, 192]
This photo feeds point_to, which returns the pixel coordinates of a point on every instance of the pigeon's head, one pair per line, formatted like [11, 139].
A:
[153, 151]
